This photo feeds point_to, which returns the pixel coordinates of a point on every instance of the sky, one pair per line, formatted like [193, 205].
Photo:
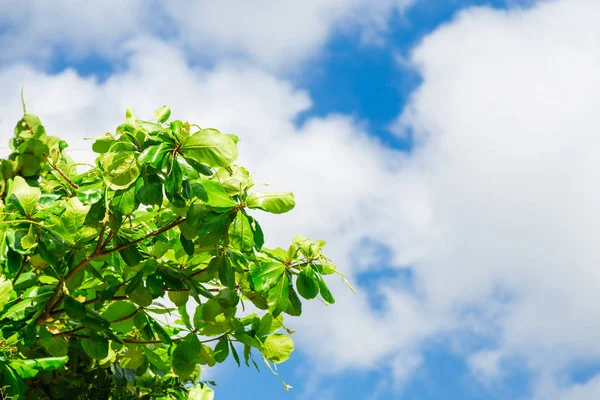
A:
[446, 150]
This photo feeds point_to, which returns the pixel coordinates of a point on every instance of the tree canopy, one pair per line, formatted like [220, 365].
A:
[122, 279]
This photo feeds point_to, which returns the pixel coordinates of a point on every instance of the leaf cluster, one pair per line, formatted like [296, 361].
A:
[121, 281]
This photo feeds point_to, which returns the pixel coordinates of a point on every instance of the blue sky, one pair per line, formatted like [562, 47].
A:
[446, 151]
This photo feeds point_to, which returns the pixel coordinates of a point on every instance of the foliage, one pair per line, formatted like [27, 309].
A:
[90, 258]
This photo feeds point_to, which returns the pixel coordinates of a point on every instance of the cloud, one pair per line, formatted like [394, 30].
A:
[272, 33]
[506, 131]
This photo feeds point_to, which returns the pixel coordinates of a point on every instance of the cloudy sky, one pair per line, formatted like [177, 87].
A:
[447, 150]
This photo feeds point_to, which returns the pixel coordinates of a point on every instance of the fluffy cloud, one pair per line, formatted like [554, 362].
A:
[506, 132]
[273, 33]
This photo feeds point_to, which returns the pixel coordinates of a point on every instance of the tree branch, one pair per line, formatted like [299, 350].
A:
[100, 238]
[60, 171]
[148, 236]
[51, 302]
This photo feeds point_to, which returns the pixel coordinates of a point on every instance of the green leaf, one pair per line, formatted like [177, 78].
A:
[206, 356]
[90, 194]
[95, 322]
[95, 214]
[102, 144]
[276, 203]
[132, 359]
[264, 328]
[201, 393]
[131, 254]
[226, 274]
[162, 114]
[74, 309]
[57, 346]
[234, 179]
[27, 196]
[119, 310]
[154, 155]
[214, 196]
[174, 178]
[149, 189]
[204, 220]
[210, 310]
[221, 350]
[240, 233]
[295, 305]
[13, 260]
[95, 347]
[266, 275]
[325, 293]
[160, 331]
[277, 348]
[156, 360]
[6, 288]
[234, 353]
[141, 296]
[120, 170]
[124, 201]
[210, 147]
[74, 215]
[179, 298]
[279, 296]
[186, 355]
[12, 384]
[27, 369]
[307, 283]
[187, 244]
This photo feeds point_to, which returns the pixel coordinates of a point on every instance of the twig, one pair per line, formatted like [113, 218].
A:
[150, 235]
[60, 171]
[16, 278]
[100, 238]
[88, 302]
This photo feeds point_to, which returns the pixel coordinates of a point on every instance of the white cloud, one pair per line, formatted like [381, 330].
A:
[485, 364]
[507, 142]
[274, 33]
[37, 29]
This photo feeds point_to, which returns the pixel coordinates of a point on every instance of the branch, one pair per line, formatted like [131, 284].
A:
[109, 237]
[60, 171]
[100, 238]
[79, 328]
[16, 278]
[137, 310]
[69, 333]
[88, 302]
[148, 236]
[52, 301]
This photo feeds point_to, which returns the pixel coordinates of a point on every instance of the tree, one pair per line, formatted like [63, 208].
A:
[89, 259]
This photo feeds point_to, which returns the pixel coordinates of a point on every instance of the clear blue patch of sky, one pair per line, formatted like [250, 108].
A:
[582, 371]
[443, 375]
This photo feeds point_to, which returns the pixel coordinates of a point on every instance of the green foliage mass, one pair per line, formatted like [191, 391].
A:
[122, 281]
